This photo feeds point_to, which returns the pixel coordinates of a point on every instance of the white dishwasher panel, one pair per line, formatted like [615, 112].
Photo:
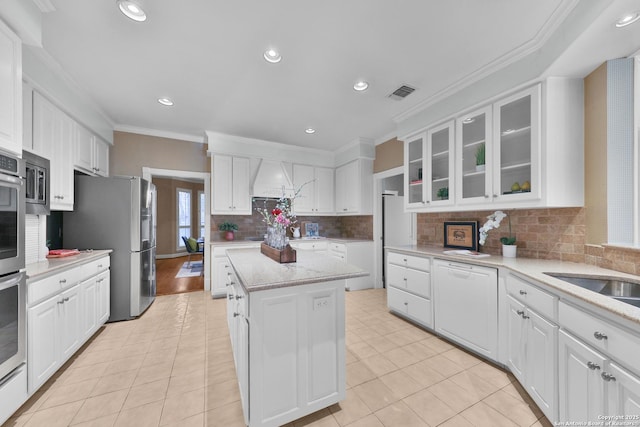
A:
[466, 305]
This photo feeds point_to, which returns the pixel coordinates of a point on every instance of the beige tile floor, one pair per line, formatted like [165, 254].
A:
[174, 367]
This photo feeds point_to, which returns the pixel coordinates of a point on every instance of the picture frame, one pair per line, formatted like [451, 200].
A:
[461, 235]
[311, 229]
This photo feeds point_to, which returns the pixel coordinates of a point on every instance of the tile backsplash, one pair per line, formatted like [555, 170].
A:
[540, 233]
[360, 227]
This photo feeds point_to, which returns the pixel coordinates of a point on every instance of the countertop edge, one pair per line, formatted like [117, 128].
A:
[41, 269]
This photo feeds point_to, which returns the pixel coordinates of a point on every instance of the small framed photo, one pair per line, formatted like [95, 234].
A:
[311, 229]
[461, 235]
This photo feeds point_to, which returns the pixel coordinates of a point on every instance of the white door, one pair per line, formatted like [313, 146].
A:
[398, 226]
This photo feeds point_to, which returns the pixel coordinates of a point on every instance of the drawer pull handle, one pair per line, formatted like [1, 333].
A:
[99, 265]
[229, 297]
[406, 303]
[607, 376]
[66, 299]
[404, 259]
[236, 314]
[239, 296]
[599, 336]
[593, 366]
[523, 292]
[63, 281]
[61, 302]
[520, 313]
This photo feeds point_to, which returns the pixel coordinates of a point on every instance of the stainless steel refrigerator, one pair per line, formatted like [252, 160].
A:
[118, 213]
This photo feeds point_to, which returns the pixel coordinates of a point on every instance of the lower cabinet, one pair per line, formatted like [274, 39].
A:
[359, 254]
[408, 282]
[289, 351]
[221, 268]
[64, 310]
[593, 382]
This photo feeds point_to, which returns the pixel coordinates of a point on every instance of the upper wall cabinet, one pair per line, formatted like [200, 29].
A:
[91, 153]
[53, 135]
[316, 190]
[10, 91]
[230, 186]
[525, 150]
[354, 188]
[430, 164]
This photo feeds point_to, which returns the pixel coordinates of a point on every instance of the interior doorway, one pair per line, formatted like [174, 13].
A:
[204, 177]
[391, 224]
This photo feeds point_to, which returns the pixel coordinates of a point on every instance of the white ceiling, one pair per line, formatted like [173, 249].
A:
[207, 56]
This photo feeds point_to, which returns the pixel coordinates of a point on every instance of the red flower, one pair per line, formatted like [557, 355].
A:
[276, 212]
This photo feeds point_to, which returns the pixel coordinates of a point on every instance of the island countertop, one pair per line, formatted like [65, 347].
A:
[257, 272]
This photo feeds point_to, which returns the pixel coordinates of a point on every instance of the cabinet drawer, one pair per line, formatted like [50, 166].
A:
[415, 262]
[621, 345]
[310, 246]
[412, 306]
[541, 301]
[408, 279]
[42, 289]
[337, 247]
[95, 267]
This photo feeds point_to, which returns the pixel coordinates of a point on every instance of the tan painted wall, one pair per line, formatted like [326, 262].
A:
[389, 155]
[167, 212]
[131, 152]
[595, 155]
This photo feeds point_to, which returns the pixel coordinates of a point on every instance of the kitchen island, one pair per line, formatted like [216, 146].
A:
[287, 328]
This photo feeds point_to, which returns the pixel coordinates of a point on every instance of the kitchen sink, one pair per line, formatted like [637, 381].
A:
[622, 290]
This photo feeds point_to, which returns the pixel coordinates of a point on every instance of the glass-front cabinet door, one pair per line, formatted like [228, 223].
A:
[440, 143]
[517, 142]
[473, 151]
[415, 190]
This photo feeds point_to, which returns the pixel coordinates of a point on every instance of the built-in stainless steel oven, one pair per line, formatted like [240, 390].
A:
[13, 319]
[12, 214]
[36, 184]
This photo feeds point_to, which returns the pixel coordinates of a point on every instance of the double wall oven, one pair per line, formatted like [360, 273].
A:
[12, 275]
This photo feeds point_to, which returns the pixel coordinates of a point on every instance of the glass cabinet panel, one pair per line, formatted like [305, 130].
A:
[440, 154]
[414, 150]
[516, 135]
[474, 148]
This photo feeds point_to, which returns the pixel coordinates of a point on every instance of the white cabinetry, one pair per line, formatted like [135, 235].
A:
[64, 310]
[408, 282]
[321, 246]
[53, 134]
[221, 268]
[359, 254]
[593, 381]
[354, 187]
[296, 365]
[532, 138]
[532, 337]
[429, 166]
[230, 184]
[10, 91]
[466, 305]
[316, 186]
[91, 153]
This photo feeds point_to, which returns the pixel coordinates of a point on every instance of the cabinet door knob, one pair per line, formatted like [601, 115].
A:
[406, 303]
[607, 376]
[236, 314]
[520, 313]
[229, 297]
[239, 297]
[523, 292]
[600, 336]
[486, 196]
[593, 366]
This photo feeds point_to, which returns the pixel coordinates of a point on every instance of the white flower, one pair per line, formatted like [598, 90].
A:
[493, 221]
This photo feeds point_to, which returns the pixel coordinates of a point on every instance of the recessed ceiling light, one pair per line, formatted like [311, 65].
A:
[165, 101]
[310, 131]
[132, 10]
[628, 19]
[273, 56]
[468, 120]
[360, 86]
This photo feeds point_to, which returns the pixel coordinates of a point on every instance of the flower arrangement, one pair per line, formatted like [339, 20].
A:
[279, 219]
[493, 221]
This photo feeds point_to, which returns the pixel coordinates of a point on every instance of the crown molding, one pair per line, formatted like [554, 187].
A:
[539, 39]
[159, 133]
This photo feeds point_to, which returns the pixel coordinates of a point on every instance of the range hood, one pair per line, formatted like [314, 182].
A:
[271, 180]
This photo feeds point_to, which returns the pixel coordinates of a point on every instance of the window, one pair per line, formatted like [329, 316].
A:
[201, 211]
[184, 215]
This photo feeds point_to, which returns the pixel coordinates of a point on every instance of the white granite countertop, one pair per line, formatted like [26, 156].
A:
[535, 269]
[257, 272]
[54, 265]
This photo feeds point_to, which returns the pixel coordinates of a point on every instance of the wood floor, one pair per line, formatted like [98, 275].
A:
[166, 282]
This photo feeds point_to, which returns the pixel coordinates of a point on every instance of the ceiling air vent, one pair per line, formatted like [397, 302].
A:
[402, 92]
